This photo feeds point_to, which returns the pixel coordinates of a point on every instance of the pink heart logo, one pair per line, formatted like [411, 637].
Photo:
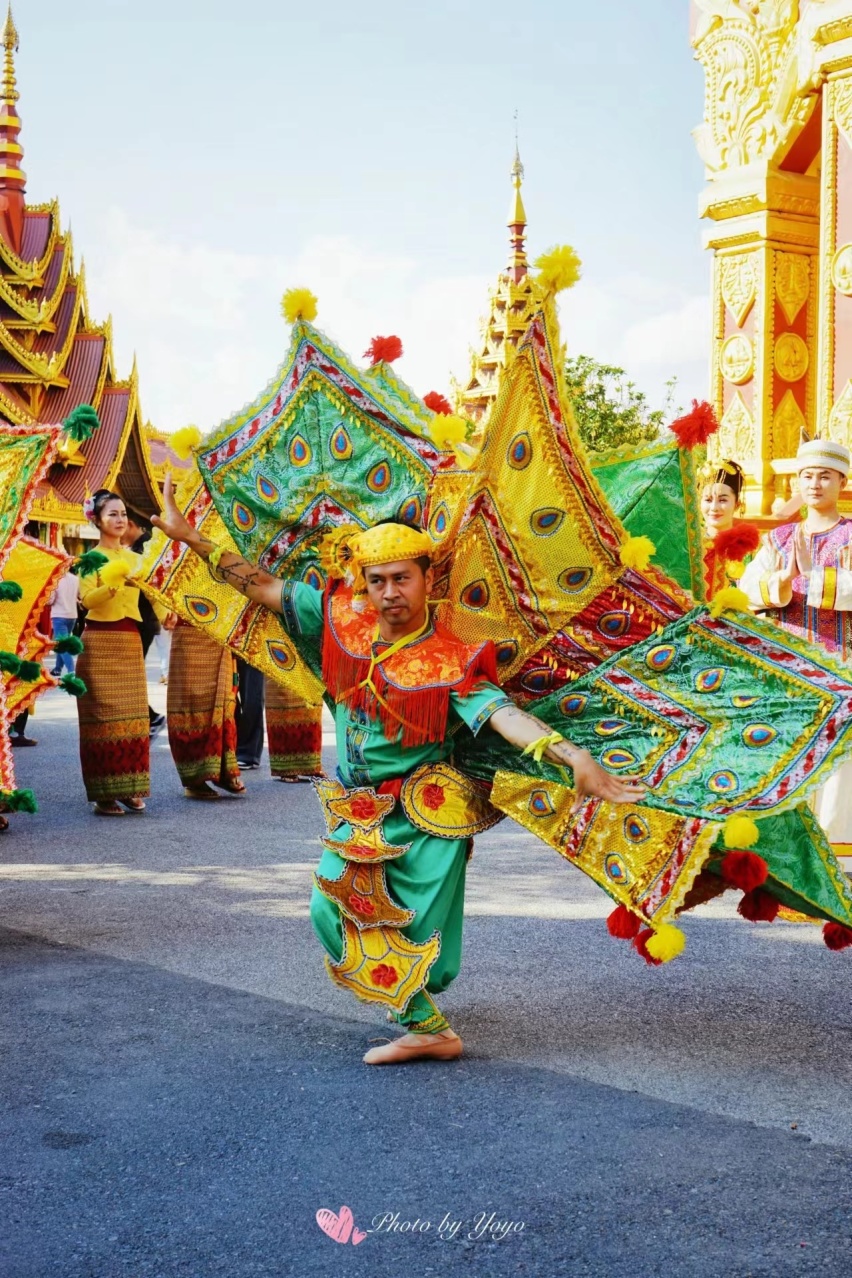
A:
[337, 1227]
[358, 1236]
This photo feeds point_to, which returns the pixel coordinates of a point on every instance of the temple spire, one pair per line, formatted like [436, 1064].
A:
[12, 177]
[517, 223]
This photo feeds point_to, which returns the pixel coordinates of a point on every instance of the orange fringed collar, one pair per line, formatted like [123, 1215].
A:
[410, 693]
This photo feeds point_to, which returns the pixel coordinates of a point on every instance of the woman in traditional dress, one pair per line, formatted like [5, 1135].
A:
[113, 714]
[729, 542]
[200, 709]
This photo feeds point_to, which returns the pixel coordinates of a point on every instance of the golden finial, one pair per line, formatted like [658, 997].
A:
[517, 216]
[10, 44]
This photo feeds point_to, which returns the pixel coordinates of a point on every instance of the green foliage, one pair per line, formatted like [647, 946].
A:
[609, 409]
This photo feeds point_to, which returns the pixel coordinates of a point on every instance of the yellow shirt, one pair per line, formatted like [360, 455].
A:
[111, 603]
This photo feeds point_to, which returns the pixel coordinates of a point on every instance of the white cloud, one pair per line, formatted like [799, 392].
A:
[206, 324]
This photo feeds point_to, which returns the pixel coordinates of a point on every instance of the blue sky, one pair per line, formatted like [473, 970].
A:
[210, 155]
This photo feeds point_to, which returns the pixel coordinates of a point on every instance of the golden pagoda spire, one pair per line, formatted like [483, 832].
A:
[10, 44]
[518, 264]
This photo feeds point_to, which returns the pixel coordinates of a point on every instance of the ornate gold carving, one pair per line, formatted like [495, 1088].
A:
[841, 270]
[840, 421]
[843, 108]
[737, 359]
[787, 426]
[791, 357]
[736, 436]
[792, 283]
[739, 284]
[751, 101]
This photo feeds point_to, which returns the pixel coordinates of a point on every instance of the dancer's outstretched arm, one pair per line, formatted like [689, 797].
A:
[590, 779]
[248, 579]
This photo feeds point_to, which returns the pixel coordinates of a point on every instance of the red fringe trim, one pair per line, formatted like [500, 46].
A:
[623, 924]
[744, 870]
[415, 716]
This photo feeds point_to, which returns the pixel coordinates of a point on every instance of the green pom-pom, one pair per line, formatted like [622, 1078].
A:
[29, 671]
[70, 643]
[10, 592]
[82, 423]
[73, 685]
[18, 801]
[9, 663]
[89, 563]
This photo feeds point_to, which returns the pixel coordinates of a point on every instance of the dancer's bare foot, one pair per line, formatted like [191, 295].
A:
[446, 1046]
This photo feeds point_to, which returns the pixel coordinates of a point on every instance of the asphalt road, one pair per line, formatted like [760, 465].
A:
[182, 1088]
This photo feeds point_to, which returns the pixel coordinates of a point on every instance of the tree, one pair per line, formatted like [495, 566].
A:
[609, 409]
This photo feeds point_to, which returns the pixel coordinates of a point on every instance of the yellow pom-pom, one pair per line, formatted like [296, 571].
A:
[728, 599]
[183, 441]
[115, 573]
[558, 269]
[740, 832]
[299, 303]
[636, 553]
[667, 942]
[735, 569]
[448, 429]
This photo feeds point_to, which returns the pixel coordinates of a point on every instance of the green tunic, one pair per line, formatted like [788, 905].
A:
[429, 878]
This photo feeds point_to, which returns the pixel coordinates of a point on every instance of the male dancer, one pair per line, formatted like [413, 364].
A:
[389, 894]
[802, 575]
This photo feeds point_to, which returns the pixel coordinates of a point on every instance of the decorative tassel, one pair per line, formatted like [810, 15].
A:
[737, 542]
[636, 553]
[623, 924]
[538, 747]
[640, 945]
[10, 592]
[740, 832]
[183, 441]
[383, 350]
[18, 801]
[92, 561]
[73, 686]
[744, 870]
[558, 269]
[759, 907]
[729, 599]
[299, 304]
[447, 430]
[70, 643]
[82, 423]
[696, 426]
[9, 663]
[837, 936]
[666, 943]
[29, 671]
[437, 403]
[115, 573]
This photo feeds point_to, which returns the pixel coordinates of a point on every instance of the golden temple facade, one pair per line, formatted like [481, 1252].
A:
[776, 141]
[53, 356]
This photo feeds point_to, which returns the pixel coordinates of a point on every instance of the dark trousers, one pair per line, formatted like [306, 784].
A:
[249, 713]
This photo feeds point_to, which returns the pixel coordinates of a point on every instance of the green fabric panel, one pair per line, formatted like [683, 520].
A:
[654, 493]
[803, 873]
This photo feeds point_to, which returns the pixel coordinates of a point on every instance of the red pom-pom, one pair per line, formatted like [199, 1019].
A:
[437, 403]
[744, 870]
[759, 907]
[640, 946]
[623, 924]
[383, 350]
[696, 426]
[837, 936]
[737, 542]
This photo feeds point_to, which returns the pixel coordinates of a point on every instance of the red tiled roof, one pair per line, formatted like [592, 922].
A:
[47, 343]
[100, 451]
[35, 236]
[82, 368]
